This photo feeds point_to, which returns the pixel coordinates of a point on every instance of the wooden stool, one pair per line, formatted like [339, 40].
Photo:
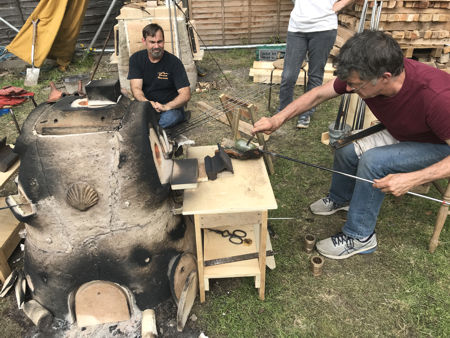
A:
[441, 217]
[9, 238]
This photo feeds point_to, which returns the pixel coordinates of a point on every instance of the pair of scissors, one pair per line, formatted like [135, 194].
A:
[235, 237]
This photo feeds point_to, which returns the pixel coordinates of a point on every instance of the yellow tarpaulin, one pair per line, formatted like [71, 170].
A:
[57, 31]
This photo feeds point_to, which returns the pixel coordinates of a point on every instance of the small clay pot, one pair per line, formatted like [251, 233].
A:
[310, 241]
[316, 265]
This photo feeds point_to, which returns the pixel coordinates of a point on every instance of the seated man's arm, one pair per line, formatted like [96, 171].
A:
[184, 95]
[399, 184]
[302, 104]
[136, 89]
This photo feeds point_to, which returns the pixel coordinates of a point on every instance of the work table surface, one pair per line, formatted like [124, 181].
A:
[248, 189]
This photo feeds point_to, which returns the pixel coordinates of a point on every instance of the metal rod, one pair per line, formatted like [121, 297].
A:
[102, 24]
[243, 46]
[9, 25]
[345, 174]
[176, 32]
[362, 20]
[373, 15]
[347, 98]
[20, 11]
[14, 119]
[101, 55]
[377, 19]
[204, 44]
[13, 206]
[171, 28]
[339, 115]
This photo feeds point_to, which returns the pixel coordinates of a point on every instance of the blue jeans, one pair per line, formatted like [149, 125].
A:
[171, 117]
[365, 201]
[318, 45]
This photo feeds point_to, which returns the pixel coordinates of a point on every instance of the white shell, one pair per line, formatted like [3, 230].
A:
[81, 196]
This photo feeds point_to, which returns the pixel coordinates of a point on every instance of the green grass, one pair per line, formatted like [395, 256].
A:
[401, 290]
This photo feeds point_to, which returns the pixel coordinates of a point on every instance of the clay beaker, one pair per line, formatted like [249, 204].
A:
[310, 241]
[316, 265]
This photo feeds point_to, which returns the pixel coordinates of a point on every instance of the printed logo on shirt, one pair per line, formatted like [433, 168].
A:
[163, 76]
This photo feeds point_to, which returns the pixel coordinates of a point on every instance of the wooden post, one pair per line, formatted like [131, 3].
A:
[232, 116]
[267, 157]
[199, 245]
[262, 253]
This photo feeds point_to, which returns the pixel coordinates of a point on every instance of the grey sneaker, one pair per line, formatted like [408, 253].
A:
[303, 122]
[325, 206]
[341, 246]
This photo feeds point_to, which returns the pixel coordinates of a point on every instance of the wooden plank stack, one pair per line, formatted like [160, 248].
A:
[262, 71]
[234, 22]
[420, 27]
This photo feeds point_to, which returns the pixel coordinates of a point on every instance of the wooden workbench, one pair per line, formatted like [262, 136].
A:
[232, 201]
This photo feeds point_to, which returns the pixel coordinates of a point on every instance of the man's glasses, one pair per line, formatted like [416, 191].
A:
[354, 89]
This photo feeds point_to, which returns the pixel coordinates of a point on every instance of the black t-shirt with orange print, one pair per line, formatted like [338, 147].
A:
[161, 80]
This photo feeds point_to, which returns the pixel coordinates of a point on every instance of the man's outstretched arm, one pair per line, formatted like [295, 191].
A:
[302, 104]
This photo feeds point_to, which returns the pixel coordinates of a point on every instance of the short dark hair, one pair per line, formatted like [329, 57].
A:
[370, 54]
[151, 29]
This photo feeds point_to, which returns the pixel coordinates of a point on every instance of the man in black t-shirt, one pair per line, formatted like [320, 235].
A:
[159, 77]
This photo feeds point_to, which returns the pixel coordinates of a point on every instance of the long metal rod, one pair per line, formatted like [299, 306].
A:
[101, 25]
[177, 40]
[345, 174]
[171, 28]
[101, 55]
[9, 25]
[363, 17]
[13, 206]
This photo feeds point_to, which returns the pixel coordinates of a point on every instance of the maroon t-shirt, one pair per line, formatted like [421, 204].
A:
[420, 111]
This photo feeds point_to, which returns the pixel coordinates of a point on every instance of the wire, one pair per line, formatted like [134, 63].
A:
[204, 44]
[345, 174]
[215, 112]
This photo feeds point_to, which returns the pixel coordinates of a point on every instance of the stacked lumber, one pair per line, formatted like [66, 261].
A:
[241, 21]
[262, 71]
[420, 27]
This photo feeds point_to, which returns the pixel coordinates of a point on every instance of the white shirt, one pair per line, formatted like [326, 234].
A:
[313, 16]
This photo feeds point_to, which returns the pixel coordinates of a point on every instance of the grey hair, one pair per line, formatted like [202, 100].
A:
[370, 54]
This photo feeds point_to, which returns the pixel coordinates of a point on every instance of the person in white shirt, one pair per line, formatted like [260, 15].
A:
[312, 30]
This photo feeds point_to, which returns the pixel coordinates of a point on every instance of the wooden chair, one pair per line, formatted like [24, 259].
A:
[441, 217]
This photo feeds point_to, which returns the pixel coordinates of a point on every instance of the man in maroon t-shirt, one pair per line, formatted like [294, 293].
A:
[413, 101]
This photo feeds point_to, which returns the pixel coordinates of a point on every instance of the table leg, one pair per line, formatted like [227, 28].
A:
[5, 270]
[262, 253]
[199, 245]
